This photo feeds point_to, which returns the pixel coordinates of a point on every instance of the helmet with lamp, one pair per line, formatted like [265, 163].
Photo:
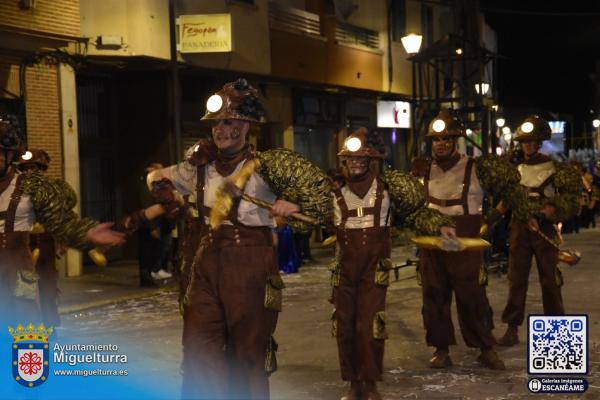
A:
[34, 157]
[533, 128]
[236, 100]
[360, 144]
[444, 125]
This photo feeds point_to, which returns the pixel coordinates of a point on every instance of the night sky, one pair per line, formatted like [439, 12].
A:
[548, 51]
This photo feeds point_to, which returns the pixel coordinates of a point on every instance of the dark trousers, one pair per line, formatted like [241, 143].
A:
[524, 245]
[227, 328]
[357, 301]
[445, 272]
[149, 253]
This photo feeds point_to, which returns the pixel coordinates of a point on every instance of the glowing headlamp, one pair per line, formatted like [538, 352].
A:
[27, 156]
[214, 103]
[527, 127]
[438, 126]
[353, 144]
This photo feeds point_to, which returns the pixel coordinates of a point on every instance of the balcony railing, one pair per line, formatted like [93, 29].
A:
[355, 35]
[293, 20]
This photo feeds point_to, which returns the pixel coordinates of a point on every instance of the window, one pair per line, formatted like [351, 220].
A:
[398, 19]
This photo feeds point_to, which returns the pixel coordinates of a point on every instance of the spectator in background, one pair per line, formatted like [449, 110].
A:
[288, 258]
[151, 248]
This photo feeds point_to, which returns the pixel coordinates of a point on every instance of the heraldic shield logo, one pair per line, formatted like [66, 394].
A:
[30, 354]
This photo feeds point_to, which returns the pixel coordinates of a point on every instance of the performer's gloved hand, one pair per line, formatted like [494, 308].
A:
[282, 208]
[549, 212]
[163, 191]
[101, 234]
[533, 224]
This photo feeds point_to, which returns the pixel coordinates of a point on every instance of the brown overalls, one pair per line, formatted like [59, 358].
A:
[525, 244]
[441, 272]
[18, 286]
[48, 283]
[227, 325]
[359, 317]
[189, 241]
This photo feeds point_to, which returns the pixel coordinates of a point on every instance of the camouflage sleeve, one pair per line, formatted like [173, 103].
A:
[568, 186]
[408, 197]
[500, 179]
[68, 194]
[50, 203]
[296, 179]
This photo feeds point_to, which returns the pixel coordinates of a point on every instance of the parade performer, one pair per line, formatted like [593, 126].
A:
[25, 199]
[234, 291]
[42, 244]
[456, 185]
[553, 191]
[362, 218]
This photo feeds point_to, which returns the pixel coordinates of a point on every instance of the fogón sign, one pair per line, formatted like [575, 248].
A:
[205, 33]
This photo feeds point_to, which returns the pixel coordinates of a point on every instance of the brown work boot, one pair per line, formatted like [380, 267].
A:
[489, 358]
[440, 359]
[370, 391]
[511, 336]
[354, 392]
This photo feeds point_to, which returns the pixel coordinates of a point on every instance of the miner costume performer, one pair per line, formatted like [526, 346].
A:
[234, 290]
[26, 199]
[360, 276]
[456, 185]
[41, 242]
[553, 190]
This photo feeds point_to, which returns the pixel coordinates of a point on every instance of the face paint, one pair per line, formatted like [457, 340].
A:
[443, 147]
[227, 135]
[357, 166]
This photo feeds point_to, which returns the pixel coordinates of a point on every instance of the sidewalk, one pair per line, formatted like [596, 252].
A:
[98, 286]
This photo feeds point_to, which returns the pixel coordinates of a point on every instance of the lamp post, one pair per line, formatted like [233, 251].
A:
[412, 45]
[596, 125]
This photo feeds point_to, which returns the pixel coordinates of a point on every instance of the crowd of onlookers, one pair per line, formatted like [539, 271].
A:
[589, 201]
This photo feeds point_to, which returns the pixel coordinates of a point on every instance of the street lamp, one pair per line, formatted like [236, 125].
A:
[500, 122]
[482, 88]
[505, 130]
[412, 44]
[596, 123]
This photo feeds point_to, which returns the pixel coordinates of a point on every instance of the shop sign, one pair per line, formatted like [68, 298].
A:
[205, 33]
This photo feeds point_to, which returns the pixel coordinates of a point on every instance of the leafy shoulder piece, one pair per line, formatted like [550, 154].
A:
[294, 178]
[50, 203]
[408, 196]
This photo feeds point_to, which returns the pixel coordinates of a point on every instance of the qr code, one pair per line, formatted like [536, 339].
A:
[557, 344]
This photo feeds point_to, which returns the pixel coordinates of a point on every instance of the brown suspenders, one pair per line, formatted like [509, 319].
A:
[9, 215]
[361, 211]
[463, 200]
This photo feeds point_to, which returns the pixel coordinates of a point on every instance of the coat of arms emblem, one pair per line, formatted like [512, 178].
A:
[30, 354]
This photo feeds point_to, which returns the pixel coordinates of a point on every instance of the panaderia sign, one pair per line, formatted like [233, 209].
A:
[205, 33]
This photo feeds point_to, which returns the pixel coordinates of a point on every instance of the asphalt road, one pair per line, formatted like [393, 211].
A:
[150, 329]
